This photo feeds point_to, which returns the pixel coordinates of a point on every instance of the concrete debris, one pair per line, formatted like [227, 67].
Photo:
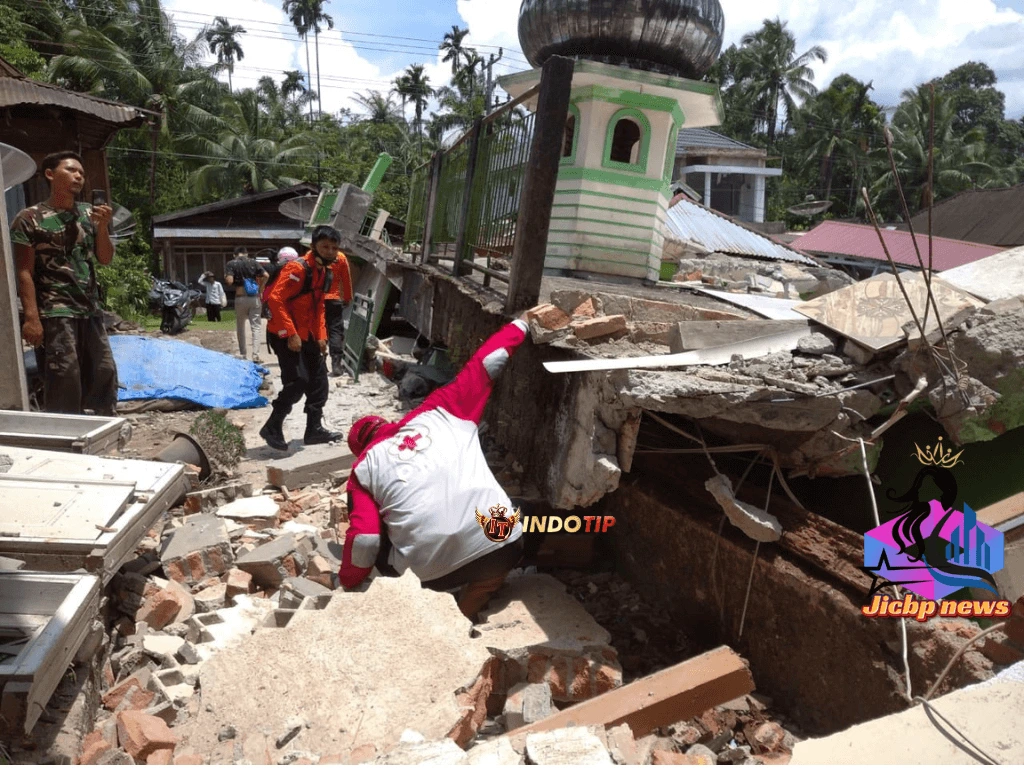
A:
[444, 752]
[527, 703]
[199, 549]
[755, 523]
[256, 512]
[702, 334]
[817, 344]
[272, 563]
[310, 465]
[497, 751]
[566, 746]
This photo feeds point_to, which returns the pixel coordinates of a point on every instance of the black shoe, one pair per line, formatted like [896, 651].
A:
[317, 435]
[273, 433]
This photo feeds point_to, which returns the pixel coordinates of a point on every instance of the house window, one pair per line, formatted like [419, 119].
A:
[571, 136]
[628, 141]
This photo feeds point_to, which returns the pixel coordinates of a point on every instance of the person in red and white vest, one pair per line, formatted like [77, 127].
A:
[419, 487]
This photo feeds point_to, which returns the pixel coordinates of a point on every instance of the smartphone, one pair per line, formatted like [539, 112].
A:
[99, 197]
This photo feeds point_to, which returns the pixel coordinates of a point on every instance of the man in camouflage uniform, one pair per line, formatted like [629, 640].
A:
[56, 245]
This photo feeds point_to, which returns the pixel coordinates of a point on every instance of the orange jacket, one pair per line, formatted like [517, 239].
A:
[295, 315]
[341, 284]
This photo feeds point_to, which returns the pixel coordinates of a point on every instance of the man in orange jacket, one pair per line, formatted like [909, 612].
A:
[298, 336]
[335, 301]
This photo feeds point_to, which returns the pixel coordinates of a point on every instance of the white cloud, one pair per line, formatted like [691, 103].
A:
[894, 45]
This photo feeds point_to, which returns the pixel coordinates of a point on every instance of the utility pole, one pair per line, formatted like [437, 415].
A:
[492, 60]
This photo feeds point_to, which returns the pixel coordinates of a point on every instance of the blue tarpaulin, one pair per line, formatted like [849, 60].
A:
[150, 369]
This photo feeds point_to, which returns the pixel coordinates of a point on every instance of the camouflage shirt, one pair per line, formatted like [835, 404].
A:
[65, 246]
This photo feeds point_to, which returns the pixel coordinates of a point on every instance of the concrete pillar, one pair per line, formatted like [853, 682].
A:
[13, 389]
[707, 188]
[759, 185]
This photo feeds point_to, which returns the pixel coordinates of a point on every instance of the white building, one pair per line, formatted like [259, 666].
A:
[729, 174]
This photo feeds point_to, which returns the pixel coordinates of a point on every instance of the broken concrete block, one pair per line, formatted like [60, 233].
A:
[755, 523]
[702, 334]
[257, 512]
[272, 563]
[445, 752]
[497, 751]
[211, 598]
[542, 633]
[596, 327]
[566, 746]
[162, 644]
[140, 735]
[817, 344]
[208, 499]
[527, 703]
[311, 465]
[858, 354]
[339, 653]
[295, 589]
[199, 549]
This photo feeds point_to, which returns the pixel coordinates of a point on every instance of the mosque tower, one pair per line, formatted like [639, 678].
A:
[636, 83]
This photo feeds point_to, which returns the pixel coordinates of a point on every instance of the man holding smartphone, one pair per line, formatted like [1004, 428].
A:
[57, 244]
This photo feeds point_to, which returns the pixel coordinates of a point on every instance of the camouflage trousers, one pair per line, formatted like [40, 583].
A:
[80, 369]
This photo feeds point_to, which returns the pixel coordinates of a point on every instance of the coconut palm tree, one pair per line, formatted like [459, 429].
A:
[774, 75]
[293, 84]
[958, 158]
[454, 50]
[417, 89]
[299, 15]
[307, 15]
[222, 38]
[379, 107]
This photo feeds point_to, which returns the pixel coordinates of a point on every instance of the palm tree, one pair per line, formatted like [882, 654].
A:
[417, 89]
[293, 84]
[959, 158]
[771, 72]
[308, 15]
[223, 41]
[454, 50]
[380, 108]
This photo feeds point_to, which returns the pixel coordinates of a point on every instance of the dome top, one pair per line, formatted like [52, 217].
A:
[674, 37]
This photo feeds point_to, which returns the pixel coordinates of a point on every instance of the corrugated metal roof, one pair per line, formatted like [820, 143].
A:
[990, 216]
[220, 205]
[17, 90]
[702, 138]
[227, 233]
[861, 241]
[693, 222]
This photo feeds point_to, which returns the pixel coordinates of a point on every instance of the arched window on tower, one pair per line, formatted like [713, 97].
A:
[626, 142]
[570, 136]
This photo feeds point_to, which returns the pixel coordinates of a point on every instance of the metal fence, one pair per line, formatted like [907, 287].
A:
[464, 204]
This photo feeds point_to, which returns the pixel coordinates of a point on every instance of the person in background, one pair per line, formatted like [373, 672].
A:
[247, 277]
[336, 299]
[298, 336]
[57, 244]
[215, 297]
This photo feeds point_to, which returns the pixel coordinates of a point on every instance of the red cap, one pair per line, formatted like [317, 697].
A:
[362, 433]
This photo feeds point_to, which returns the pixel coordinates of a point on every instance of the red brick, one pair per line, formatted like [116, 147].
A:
[1000, 653]
[239, 582]
[136, 699]
[288, 510]
[320, 571]
[108, 675]
[160, 757]
[474, 704]
[291, 565]
[606, 677]
[175, 570]
[112, 699]
[549, 316]
[141, 735]
[149, 590]
[160, 610]
[1015, 627]
[189, 759]
[586, 309]
[767, 737]
[580, 687]
[537, 668]
[215, 561]
[93, 745]
[596, 327]
[196, 566]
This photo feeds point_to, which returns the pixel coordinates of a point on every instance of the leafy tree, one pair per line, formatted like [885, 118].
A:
[14, 34]
[379, 107]
[223, 41]
[773, 75]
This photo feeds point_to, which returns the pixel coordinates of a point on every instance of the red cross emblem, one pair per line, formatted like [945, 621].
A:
[409, 442]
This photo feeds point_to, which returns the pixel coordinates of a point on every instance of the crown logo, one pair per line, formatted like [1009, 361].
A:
[937, 456]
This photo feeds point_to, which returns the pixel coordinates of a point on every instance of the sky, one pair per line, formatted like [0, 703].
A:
[893, 45]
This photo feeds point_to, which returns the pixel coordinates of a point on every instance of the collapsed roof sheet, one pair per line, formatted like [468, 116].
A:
[694, 223]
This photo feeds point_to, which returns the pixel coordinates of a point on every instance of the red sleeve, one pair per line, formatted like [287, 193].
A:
[287, 286]
[362, 541]
[466, 397]
[320, 317]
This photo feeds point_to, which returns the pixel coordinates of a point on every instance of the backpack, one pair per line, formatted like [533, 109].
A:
[307, 285]
[252, 287]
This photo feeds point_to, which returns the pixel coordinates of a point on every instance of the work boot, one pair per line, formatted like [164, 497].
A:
[315, 432]
[273, 431]
[337, 369]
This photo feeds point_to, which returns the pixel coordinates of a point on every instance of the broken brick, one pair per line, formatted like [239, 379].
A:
[138, 681]
[1000, 651]
[160, 757]
[189, 759]
[549, 317]
[596, 327]
[767, 737]
[161, 609]
[93, 746]
[238, 583]
[321, 571]
[141, 735]
[585, 309]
